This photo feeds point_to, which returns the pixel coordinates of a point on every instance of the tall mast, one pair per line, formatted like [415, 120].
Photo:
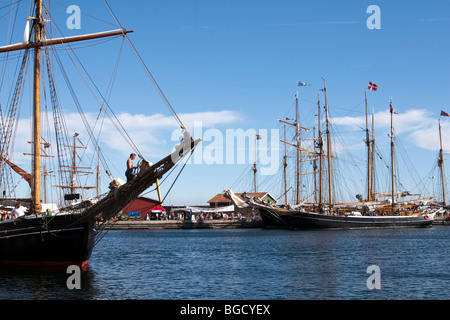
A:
[392, 156]
[441, 165]
[74, 164]
[255, 169]
[297, 136]
[330, 191]
[38, 28]
[372, 169]
[315, 165]
[369, 158]
[39, 41]
[285, 168]
[98, 173]
[320, 154]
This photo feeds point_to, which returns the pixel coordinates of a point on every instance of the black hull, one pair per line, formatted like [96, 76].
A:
[306, 220]
[59, 240]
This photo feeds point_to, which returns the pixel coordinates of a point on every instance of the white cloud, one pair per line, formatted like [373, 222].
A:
[418, 125]
[150, 133]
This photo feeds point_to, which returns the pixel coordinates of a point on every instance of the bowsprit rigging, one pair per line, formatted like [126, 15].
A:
[66, 235]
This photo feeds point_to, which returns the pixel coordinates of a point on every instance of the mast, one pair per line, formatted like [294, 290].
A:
[38, 29]
[39, 41]
[98, 173]
[392, 156]
[320, 154]
[255, 169]
[315, 165]
[330, 191]
[369, 158]
[441, 166]
[74, 164]
[372, 169]
[285, 168]
[297, 135]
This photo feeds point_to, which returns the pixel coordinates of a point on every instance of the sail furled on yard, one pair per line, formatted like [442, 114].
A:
[19, 171]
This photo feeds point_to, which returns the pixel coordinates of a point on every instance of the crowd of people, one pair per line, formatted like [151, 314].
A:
[183, 215]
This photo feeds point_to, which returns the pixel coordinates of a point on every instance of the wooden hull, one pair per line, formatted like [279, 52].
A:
[274, 218]
[59, 240]
[65, 239]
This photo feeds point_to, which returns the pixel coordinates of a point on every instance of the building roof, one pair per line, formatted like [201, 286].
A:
[148, 200]
[220, 198]
[141, 204]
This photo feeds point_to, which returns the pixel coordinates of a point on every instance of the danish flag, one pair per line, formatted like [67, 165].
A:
[372, 86]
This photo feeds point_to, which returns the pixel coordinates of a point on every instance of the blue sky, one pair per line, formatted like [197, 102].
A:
[235, 65]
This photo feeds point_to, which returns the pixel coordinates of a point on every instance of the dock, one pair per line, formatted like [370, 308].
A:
[183, 224]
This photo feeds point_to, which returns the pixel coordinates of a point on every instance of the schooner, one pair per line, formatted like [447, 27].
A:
[367, 213]
[68, 235]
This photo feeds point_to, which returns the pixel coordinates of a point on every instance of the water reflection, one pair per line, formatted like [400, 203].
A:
[44, 283]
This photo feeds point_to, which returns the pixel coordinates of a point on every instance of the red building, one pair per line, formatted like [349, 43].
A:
[139, 208]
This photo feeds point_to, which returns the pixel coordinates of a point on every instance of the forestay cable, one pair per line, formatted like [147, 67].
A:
[169, 106]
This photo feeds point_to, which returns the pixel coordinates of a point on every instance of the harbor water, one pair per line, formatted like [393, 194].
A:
[257, 264]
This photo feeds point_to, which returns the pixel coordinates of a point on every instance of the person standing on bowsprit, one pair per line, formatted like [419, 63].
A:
[129, 173]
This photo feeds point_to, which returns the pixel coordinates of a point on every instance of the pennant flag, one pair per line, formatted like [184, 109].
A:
[391, 110]
[372, 86]
[445, 114]
[258, 137]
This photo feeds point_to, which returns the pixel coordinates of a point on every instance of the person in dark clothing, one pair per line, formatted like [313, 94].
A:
[129, 173]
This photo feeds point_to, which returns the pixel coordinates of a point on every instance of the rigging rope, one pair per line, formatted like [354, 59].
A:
[116, 123]
[178, 175]
[147, 71]
[8, 130]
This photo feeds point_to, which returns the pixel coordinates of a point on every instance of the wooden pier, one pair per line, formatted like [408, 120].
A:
[183, 224]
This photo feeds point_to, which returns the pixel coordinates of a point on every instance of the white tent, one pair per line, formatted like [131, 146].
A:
[219, 209]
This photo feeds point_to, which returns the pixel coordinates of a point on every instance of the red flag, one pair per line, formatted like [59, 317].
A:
[258, 137]
[445, 114]
[372, 86]
[391, 110]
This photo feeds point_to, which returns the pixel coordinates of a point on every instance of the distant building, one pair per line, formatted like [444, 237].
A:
[141, 207]
[219, 200]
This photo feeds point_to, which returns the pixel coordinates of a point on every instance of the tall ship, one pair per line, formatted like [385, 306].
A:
[66, 232]
[369, 211]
